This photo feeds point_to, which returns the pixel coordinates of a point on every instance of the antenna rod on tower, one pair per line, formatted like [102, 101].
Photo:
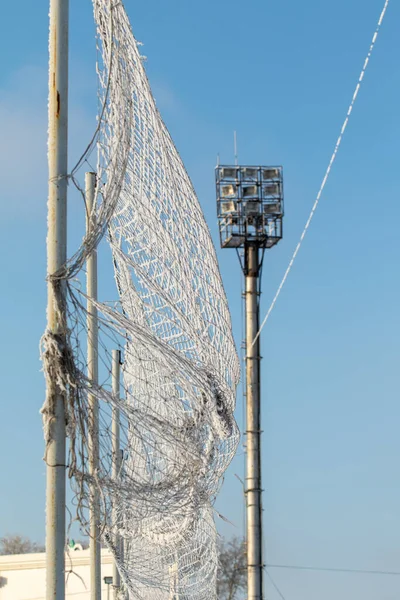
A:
[56, 318]
[235, 147]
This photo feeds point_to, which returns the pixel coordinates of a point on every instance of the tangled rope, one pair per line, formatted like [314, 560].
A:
[172, 322]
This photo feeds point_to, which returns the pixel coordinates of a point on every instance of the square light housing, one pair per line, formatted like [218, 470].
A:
[252, 208]
[270, 173]
[250, 191]
[249, 173]
[271, 189]
[274, 208]
[228, 207]
[228, 191]
[229, 172]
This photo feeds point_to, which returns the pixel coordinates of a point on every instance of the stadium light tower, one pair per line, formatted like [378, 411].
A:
[250, 211]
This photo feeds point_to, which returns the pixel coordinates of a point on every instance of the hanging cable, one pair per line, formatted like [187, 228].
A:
[328, 171]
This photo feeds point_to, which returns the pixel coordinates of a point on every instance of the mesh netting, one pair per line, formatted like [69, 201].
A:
[180, 367]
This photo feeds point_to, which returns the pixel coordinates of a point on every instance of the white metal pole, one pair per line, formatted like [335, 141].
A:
[173, 579]
[253, 475]
[92, 368]
[116, 458]
[56, 257]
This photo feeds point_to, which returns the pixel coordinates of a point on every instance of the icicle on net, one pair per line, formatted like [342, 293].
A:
[180, 367]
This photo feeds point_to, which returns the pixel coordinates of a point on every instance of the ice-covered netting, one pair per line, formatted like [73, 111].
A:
[180, 366]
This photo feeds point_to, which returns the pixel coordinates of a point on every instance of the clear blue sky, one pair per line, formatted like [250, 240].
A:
[281, 74]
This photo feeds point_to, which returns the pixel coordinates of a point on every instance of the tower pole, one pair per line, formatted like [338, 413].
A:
[253, 433]
[56, 258]
[93, 368]
[250, 212]
[116, 457]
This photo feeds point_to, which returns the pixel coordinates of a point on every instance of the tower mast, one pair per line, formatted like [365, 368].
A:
[253, 428]
[250, 211]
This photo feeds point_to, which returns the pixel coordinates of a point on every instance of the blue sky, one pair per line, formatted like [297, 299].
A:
[282, 74]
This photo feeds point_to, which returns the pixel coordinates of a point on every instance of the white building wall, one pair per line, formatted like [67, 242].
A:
[23, 576]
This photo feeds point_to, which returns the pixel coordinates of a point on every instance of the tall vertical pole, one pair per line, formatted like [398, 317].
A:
[173, 579]
[93, 367]
[253, 474]
[56, 257]
[116, 457]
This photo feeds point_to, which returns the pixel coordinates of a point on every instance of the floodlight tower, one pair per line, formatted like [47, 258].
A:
[250, 211]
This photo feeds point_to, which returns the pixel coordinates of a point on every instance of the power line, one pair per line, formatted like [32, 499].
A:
[334, 570]
[328, 171]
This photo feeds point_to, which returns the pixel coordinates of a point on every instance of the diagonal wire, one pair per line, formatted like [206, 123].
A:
[275, 586]
[328, 171]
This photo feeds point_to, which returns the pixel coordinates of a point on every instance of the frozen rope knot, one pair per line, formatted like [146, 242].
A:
[59, 371]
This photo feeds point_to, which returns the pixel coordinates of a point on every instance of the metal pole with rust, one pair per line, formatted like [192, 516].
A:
[253, 432]
[93, 376]
[56, 321]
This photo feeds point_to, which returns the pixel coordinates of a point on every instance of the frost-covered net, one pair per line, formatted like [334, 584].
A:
[180, 367]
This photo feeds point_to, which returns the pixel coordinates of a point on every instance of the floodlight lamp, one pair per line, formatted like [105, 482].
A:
[249, 173]
[272, 209]
[270, 174]
[228, 191]
[250, 205]
[228, 207]
[228, 173]
[271, 189]
[251, 209]
[249, 191]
